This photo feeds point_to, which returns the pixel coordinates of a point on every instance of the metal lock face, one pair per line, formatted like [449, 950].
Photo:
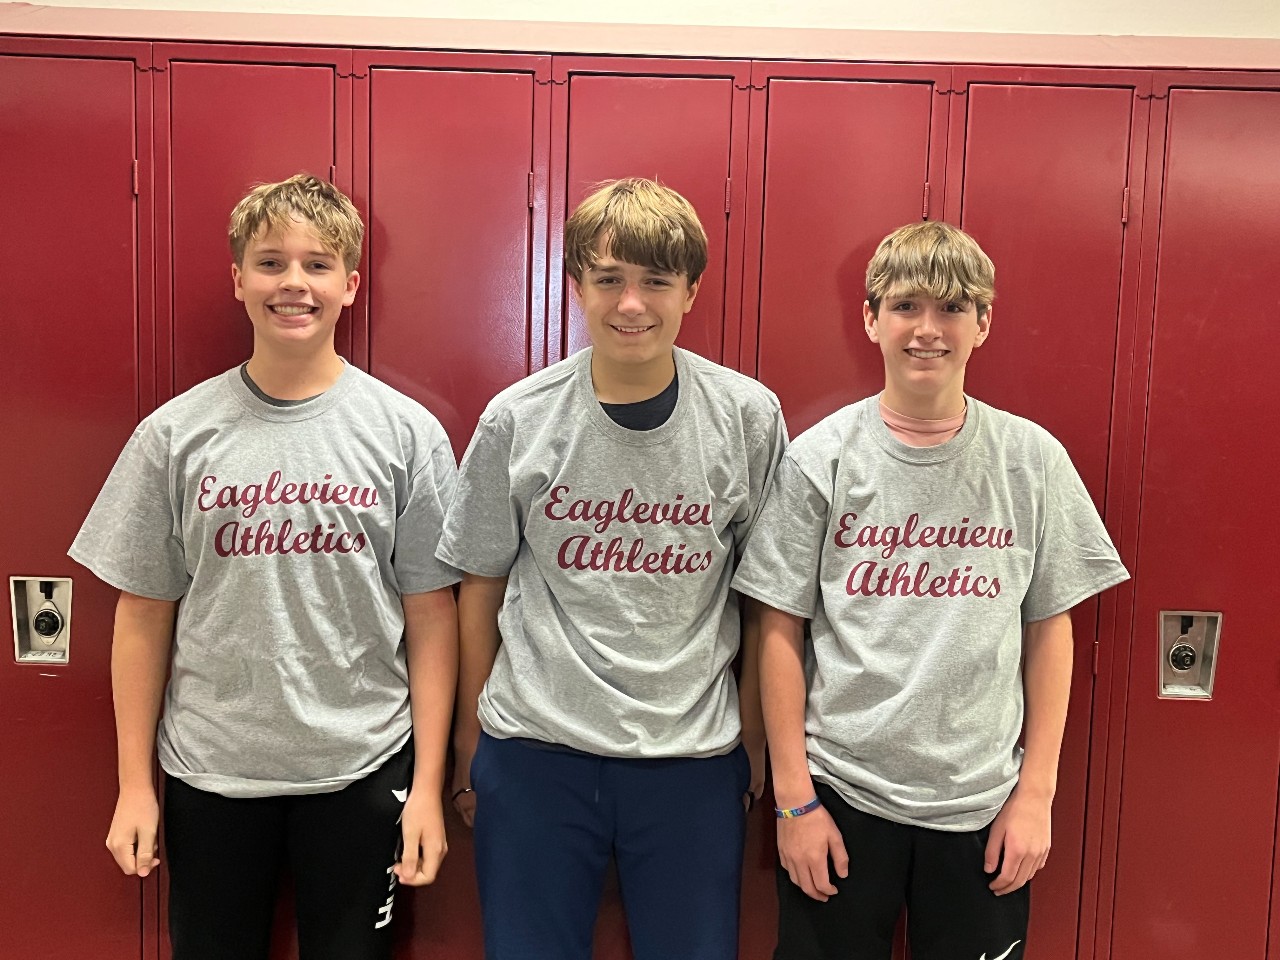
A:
[47, 624]
[1188, 653]
[41, 619]
[1182, 657]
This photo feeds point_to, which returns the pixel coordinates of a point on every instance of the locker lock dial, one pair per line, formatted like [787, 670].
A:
[1182, 656]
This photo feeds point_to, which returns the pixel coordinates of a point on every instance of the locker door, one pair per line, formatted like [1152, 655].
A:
[1044, 169]
[845, 161]
[677, 128]
[75, 321]
[222, 127]
[451, 167]
[451, 174]
[838, 157]
[1197, 821]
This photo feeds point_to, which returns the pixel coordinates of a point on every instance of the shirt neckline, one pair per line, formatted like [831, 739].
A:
[291, 414]
[587, 394]
[937, 453]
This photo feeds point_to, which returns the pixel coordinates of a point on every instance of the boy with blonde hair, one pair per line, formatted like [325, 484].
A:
[936, 546]
[273, 533]
[600, 510]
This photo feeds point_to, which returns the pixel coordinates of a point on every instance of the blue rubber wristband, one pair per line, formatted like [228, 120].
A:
[792, 812]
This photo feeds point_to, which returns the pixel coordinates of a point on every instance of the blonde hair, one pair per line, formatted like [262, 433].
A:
[641, 222]
[931, 259]
[271, 207]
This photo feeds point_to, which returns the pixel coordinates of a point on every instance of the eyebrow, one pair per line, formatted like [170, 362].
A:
[310, 253]
[615, 266]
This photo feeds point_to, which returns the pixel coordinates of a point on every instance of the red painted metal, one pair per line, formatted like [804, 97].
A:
[1204, 544]
[1023, 142]
[229, 118]
[845, 162]
[448, 278]
[72, 117]
[683, 122]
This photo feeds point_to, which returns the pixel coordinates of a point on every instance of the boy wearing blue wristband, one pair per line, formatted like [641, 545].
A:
[936, 546]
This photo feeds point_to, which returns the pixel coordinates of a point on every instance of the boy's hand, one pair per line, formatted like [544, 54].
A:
[422, 827]
[464, 798]
[804, 844]
[1021, 830]
[754, 744]
[132, 836]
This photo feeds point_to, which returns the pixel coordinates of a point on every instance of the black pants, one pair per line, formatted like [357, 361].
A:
[937, 875]
[225, 855]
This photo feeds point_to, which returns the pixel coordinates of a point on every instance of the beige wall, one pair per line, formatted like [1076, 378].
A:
[1172, 18]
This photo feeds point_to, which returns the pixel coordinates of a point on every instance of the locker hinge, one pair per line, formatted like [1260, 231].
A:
[135, 178]
[924, 213]
[531, 189]
[728, 193]
[1095, 657]
[333, 174]
[1124, 209]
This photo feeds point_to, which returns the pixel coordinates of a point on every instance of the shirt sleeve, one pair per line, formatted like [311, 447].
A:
[132, 537]
[782, 563]
[762, 464]
[420, 523]
[1074, 557]
[482, 530]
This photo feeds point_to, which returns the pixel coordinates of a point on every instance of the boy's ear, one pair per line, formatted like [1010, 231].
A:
[236, 282]
[869, 322]
[984, 328]
[353, 284]
[576, 287]
[692, 294]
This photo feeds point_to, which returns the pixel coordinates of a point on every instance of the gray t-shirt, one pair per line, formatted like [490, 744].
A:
[618, 627]
[289, 534]
[918, 567]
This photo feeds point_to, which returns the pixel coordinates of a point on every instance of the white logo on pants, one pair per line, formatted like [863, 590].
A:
[384, 911]
[1003, 955]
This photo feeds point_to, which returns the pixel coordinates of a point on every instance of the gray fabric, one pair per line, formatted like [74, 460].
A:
[288, 668]
[624, 661]
[915, 685]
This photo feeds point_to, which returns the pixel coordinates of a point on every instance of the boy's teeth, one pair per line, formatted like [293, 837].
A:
[926, 354]
[296, 311]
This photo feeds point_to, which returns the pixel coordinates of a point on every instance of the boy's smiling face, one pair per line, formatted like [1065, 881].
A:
[926, 344]
[293, 287]
[633, 312]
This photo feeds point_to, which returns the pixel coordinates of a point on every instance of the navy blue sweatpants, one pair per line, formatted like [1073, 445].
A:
[548, 820]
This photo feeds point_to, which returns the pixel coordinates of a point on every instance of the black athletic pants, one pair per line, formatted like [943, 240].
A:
[225, 854]
[938, 875]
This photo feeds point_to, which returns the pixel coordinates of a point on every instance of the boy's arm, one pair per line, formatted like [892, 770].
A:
[479, 601]
[139, 667]
[1022, 829]
[804, 842]
[431, 647]
[753, 739]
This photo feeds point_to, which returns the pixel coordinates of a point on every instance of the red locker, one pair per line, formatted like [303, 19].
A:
[74, 118]
[839, 159]
[226, 119]
[1194, 852]
[1040, 171]
[452, 169]
[683, 122]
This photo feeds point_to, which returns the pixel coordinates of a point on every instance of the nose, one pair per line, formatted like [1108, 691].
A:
[294, 277]
[631, 304]
[927, 326]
